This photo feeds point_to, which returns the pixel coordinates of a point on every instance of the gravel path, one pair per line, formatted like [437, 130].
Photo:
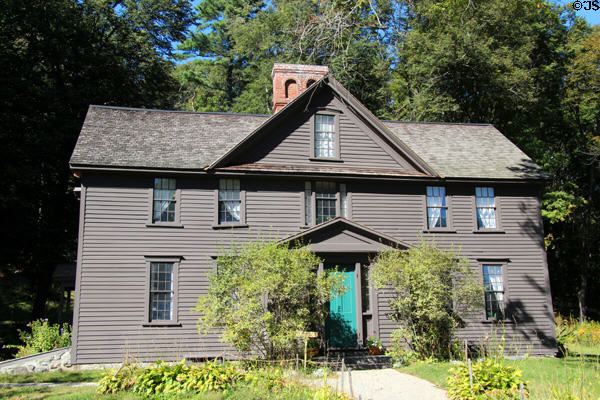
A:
[387, 384]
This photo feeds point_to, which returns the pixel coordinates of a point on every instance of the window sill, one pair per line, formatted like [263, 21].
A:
[496, 321]
[333, 159]
[439, 231]
[164, 225]
[229, 226]
[162, 324]
[489, 231]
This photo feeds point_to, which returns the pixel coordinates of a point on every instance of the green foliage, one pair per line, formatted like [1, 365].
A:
[228, 380]
[490, 380]
[57, 58]
[263, 294]
[122, 379]
[163, 378]
[569, 330]
[432, 289]
[373, 341]
[42, 336]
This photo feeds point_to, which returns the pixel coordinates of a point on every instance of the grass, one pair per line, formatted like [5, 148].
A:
[53, 377]
[577, 373]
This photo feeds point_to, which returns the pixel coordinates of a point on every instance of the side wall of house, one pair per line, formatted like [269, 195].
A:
[115, 240]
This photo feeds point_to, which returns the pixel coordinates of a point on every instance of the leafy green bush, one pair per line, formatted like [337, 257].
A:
[42, 336]
[432, 287]
[263, 294]
[569, 330]
[490, 380]
[180, 378]
[120, 380]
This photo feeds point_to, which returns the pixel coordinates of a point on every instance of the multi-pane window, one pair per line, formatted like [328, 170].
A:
[437, 209]
[486, 207]
[326, 198]
[164, 200]
[230, 201]
[494, 291]
[161, 291]
[325, 136]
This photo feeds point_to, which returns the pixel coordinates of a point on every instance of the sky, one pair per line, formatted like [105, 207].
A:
[591, 16]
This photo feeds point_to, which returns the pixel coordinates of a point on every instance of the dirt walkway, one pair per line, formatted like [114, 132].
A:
[387, 384]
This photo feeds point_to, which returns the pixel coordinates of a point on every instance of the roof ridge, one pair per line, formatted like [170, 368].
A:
[439, 123]
[177, 111]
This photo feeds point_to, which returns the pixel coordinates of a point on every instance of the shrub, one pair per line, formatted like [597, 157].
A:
[431, 286]
[42, 336]
[119, 380]
[180, 378]
[263, 294]
[490, 380]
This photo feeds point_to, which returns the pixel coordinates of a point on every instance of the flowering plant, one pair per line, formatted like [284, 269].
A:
[42, 336]
[374, 342]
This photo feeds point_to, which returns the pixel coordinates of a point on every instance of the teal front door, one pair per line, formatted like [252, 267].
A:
[341, 322]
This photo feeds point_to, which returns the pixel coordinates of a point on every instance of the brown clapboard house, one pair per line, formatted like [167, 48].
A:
[163, 191]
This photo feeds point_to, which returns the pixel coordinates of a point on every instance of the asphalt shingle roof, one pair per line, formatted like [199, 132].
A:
[139, 138]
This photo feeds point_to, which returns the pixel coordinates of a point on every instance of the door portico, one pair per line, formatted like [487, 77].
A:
[349, 246]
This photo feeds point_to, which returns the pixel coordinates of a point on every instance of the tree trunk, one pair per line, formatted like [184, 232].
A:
[41, 285]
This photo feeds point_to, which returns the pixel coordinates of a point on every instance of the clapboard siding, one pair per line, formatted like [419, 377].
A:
[290, 143]
[111, 300]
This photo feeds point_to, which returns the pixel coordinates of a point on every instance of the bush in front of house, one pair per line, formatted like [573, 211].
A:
[431, 289]
[228, 380]
[42, 336]
[491, 380]
[263, 294]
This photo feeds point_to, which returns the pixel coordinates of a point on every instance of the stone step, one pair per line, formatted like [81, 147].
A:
[357, 362]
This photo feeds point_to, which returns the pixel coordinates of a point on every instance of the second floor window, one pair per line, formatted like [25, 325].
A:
[437, 210]
[494, 291]
[325, 136]
[164, 200]
[321, 201]
[230, 201]
[326, 199]
[486, 207]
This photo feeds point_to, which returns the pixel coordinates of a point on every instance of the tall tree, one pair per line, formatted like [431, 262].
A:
[527, 67]
[56, 59]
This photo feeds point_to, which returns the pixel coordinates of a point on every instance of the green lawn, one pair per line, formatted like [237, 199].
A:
[53, 377]
[577, 374]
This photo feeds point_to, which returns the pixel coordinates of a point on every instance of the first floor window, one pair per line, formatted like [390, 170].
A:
[161, 291]
[486, 207]
[437, 210]
[164, 200]
[494, 291]
[230, 201]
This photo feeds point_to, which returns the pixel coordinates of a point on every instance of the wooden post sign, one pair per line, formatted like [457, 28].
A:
[305, 336]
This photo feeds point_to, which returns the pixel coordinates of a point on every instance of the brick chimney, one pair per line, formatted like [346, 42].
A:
[289, 80]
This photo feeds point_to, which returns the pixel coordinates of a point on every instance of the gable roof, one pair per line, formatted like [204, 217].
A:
[343, 235]
[129, 138]
[298, 102]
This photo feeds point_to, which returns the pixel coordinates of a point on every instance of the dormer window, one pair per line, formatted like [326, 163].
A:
[325, 136]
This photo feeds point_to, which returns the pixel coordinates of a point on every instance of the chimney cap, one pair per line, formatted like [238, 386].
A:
[299, 68]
